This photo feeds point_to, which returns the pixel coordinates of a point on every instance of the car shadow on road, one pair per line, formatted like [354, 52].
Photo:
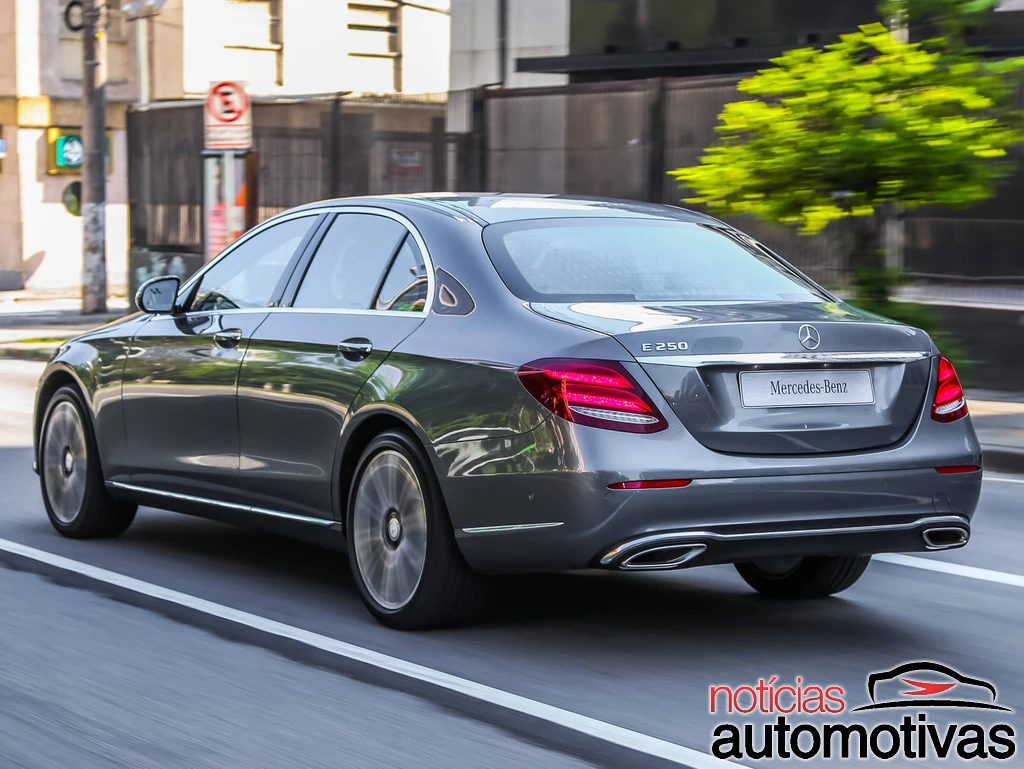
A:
[706, 607]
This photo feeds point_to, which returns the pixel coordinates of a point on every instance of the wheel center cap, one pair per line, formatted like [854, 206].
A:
[393, 528]
[69, 461]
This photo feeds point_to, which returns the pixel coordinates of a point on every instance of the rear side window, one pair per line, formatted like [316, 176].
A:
[629, 260]
[350, 262]
[405, 287]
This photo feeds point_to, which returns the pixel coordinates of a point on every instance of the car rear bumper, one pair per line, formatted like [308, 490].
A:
[676, 549]
[541, 502]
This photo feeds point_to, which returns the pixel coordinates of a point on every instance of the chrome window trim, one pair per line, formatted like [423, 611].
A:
[265, 225]
[427, 263]
[681, 537]
[219, 503]
[293, 310]
[186, 288]
[771, 358]
[325, 311]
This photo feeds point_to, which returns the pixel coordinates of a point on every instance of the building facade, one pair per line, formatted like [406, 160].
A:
[287, 47]
[280, 48]
[523, 43]
[41, 90]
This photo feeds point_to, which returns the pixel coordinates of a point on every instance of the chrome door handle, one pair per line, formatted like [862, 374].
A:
[228, 338]
[355, 349]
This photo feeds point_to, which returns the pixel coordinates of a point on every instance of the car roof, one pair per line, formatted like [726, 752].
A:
[493, 207]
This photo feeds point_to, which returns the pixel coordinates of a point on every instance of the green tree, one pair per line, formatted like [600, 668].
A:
[950, 18]
[867, 127]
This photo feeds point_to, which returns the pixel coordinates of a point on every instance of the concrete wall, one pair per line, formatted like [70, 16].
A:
[40, 241]
[192, 47]
[425, 46]
[534, 28]
[167, 53]
[8, 48]
[51, 248]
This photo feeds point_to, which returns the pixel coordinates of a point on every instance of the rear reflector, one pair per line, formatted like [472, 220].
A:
[666, 484]
[950, 469]
[592, 392]
[950, 403]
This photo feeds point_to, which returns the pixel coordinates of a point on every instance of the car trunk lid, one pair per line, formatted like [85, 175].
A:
[773, 378]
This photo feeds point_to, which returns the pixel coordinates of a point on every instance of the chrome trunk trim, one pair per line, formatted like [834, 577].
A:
[219, 503]
[775, 358]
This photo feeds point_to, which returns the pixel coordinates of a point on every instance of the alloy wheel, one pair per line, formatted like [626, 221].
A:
[389, 529]
[64, 462]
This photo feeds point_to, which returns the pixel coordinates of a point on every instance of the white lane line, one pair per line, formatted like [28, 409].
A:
[591, 727]
[1002, 479]
[956, 569]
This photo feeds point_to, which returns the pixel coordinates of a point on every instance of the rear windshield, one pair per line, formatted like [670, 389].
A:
[629, 260]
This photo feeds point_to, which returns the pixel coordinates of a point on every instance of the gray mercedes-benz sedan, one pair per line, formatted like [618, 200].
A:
[452, 386]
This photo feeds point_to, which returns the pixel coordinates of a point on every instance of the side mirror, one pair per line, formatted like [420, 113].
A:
[158, 294]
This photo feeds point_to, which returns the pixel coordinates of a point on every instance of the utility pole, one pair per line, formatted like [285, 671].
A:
[94, 165]
[894, 229]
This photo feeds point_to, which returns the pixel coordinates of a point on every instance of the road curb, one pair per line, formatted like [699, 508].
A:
[26, 353]
[1003, 459]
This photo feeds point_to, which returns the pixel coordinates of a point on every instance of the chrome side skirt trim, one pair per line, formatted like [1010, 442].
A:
[773, 358]
[511, 527]
[225, 505]
[683, 537]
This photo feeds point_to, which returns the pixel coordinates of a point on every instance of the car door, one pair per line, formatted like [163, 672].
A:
[363, 291]
[180, 377]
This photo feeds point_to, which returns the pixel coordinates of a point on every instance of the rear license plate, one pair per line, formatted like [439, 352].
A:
[767, 389]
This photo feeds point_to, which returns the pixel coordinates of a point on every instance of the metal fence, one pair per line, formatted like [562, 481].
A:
[620, 139]
[305, 150]
[614, 139]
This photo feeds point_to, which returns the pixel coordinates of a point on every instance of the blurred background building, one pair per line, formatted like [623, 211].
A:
[280, 48]
[41, 88]
[521, 43]
[287, 47]
[594, 97]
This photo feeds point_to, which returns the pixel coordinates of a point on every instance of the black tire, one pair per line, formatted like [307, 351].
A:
[812, 577]
[447, 592]
[75, 497]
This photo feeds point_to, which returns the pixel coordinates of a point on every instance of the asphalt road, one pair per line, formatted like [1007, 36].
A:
[98, 675]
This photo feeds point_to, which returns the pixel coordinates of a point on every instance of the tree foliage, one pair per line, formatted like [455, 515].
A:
[864, 122]
[951, 18]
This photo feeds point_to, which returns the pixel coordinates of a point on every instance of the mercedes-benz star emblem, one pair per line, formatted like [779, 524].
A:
[809, 337]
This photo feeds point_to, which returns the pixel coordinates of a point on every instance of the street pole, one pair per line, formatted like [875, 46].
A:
[894, 232]
[94, 165]
[142, 56]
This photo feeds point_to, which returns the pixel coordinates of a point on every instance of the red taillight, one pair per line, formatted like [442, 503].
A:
[950, 469]
[950, 403]
[676, 483]
[595, 393]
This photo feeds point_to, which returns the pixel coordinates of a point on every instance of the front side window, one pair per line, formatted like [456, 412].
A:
[349, 262]
[405, 287]
[247, 276]
[630, 260]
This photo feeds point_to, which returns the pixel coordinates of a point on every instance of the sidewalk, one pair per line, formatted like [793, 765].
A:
[999, 421]
[33, 326]
[29, 309]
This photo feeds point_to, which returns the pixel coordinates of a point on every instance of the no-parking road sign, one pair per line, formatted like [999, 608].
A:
[227, 117]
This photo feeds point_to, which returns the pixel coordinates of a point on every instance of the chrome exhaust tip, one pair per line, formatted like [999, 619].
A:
[661, 557]
[945, 537]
